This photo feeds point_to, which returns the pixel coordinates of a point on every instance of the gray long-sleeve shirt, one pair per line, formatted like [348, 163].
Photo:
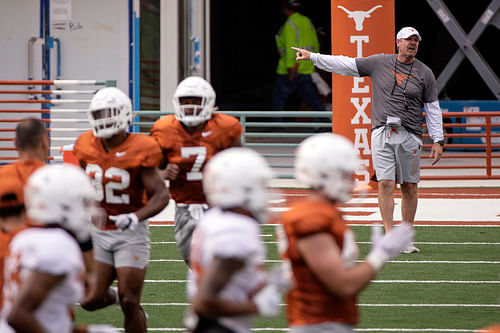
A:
[399, 90]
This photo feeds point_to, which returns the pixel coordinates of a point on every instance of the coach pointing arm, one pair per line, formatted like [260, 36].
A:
[344, 65]
[401, 86]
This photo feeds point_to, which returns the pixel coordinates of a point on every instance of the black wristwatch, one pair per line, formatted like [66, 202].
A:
[441, 142]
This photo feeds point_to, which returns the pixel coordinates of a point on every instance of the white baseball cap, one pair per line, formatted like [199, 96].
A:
[407, 32]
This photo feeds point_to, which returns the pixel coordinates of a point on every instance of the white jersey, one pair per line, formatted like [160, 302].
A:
[228, 235]
[52, 251]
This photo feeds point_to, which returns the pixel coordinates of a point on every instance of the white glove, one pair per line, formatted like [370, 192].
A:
[281, 276]
[197, 210]
[268, 301]
[125, 221]
[101, 329]
[386, 247]
[350, 249]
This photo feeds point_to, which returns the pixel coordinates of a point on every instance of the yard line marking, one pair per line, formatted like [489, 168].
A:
[390, 261]
[427, 224]
[448, 243]
[437, 281]
[283, 329]
[421, 243]
[374, 281]
[442, 262]
[434, 305]
[414, 330]
[417, 224]
[366, 305]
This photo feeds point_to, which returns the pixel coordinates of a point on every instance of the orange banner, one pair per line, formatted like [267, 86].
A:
[359, 28]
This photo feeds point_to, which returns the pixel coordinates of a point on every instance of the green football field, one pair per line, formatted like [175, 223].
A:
[453, 285]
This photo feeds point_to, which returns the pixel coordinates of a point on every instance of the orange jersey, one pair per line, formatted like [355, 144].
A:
[116, 174]
[309, 301]
[192, 151]
[5, 238]
[20, 170]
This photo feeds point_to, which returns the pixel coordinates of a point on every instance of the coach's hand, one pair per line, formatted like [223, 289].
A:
[436, 152]
[302, 54]
[125, 221]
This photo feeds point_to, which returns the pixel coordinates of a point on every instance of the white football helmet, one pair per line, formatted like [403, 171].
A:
[238, 177]
[110, 112]
[61, 194]
[194, 86]
[326, 163]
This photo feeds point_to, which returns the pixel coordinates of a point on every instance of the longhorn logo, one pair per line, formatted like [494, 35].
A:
[359, 15]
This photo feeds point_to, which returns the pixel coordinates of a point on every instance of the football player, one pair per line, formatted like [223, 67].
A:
[32, 144]
[227, 284]
[12, 218]
[44, 269]
[188, 140]
[321, 247]
[123, 168]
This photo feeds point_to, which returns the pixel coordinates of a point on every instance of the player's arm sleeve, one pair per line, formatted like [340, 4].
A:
[51, 260]
[235, 244]
[157, 132]
[434, 120]
[76, 149]
[153, 155]
[86, 245]
[235, 131]
[309, 224]
[342, 65]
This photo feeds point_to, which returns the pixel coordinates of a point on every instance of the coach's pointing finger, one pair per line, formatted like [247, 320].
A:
[302, 54]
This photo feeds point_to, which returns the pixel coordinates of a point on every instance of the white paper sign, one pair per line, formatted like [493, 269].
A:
[60, 10]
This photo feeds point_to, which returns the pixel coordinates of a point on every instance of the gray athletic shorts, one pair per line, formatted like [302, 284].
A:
[396, 154]
[186, 218]
[328, 327]
[130, 248]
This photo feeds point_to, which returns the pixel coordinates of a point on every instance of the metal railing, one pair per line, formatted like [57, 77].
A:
[472, 149]
[276, 135]
[470, 137]
[49, 102]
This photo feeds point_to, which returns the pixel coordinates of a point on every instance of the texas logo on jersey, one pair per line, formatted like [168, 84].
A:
[192, 151]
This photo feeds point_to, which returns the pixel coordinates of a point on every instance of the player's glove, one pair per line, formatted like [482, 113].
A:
[386, 247]
[350, 249]
[268, 301]
[125, 221]
[281, 276]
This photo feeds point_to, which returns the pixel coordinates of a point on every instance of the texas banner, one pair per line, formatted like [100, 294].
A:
[359, 28]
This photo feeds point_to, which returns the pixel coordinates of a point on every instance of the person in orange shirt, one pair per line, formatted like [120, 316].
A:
[320, 247]
[43, 283]
[189, 139]
[12, 218]
[32, 144]
[130, 189]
